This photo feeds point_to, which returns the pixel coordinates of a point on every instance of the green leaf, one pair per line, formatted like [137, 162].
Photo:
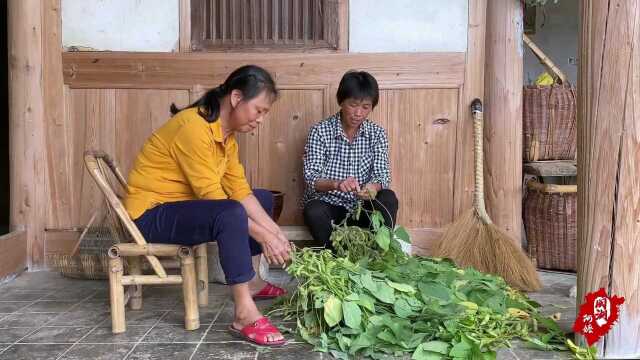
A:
[460, 351]
[434, 290]
[339, 355]
[352, 297]
[402, 234]
[385, 293]
[439, 347]
[376, 220]
[367, 302]
[421, 354]
[402, 308]
[415, 340]
[451, 325]
[368, 283]
[387, 336]
[352, 314]
[343, 342]
[383, 238]
[333, 311]
[361, 342]
[401, 287]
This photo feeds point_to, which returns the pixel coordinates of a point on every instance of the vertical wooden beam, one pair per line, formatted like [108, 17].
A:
[609, 164]
[503, 115]
[56, 136]
[343, 23]
[26, 125]
[473, 88]
[185, 26]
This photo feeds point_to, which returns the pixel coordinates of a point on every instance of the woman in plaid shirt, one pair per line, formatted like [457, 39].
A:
[346, 160]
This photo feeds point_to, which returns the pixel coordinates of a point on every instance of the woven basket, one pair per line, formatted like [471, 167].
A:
[550, 222]
[90, 261]
[549, 122]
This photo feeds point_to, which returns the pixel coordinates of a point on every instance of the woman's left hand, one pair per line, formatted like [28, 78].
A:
[368, 192]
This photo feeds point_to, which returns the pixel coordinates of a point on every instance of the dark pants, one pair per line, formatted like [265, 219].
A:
[195, 222]
[319, 214]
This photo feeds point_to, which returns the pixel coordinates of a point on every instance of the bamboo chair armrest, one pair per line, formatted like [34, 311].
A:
[162, 250]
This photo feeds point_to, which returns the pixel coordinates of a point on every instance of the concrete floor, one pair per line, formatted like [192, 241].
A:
[46, 316]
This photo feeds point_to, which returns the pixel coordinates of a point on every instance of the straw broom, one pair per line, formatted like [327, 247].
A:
[475, 241]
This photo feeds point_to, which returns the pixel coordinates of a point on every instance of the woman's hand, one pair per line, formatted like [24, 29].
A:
[349, 184]
[368, 192]
[276, 248]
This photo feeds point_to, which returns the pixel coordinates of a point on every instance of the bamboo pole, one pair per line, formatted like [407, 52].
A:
[26, 126]
[544, 59]
[609, 165]
[202, 272]
[191, 313]
[129, 280]
[116, 295]
[129, 249]
[551, 188]
[135, 269]
[503, 115]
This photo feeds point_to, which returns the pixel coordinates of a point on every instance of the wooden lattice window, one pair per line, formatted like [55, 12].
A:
[265, 24]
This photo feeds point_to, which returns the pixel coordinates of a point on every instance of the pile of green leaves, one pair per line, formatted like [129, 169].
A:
[373, 300]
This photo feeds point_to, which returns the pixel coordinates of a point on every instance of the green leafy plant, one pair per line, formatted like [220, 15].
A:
[372, 300]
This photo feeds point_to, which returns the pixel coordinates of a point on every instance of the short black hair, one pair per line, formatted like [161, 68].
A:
[358, 85]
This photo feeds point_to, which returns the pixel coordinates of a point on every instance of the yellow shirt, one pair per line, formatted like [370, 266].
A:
[186, 159]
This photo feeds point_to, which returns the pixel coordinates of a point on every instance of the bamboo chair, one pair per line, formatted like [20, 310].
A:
[192, 261]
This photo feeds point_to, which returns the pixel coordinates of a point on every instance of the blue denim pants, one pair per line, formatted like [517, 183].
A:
[194, 222]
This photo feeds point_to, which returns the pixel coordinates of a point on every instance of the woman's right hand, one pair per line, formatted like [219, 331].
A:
[349, 184]
[275, 249]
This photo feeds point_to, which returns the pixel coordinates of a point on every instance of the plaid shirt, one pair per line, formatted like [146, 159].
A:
[329, 155]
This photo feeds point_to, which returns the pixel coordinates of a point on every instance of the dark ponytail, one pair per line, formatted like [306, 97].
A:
[251, 80]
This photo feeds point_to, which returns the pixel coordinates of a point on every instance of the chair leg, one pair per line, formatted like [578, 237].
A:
[189, 292]
[202, 273]
[116, 295]
[135, 268]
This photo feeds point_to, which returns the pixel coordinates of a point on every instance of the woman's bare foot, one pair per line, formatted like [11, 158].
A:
[246, 313]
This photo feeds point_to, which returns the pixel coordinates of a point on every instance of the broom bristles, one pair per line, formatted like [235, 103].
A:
[471, 243]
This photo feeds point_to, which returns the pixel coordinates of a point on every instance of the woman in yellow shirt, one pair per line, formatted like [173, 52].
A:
[187, 186]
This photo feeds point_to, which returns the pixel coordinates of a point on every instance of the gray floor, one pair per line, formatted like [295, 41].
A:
[46, 316]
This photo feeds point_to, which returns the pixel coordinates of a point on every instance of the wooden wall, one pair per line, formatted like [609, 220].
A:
[113, 101]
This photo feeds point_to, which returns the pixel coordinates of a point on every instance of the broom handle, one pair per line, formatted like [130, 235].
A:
[478, 152]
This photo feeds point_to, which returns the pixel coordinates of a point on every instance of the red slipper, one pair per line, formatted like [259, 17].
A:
[258, 333]
[269, 291]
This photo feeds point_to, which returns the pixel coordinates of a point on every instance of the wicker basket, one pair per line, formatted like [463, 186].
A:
[91, 260]
[549, 115]
[549, 122]
[550, 223]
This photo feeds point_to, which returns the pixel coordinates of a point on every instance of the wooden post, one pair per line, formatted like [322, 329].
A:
[26, 126]
[609, 165]
[503, 115]
[473, 88]
[191, 313]
[116, 295]
[202, 272]
[135, 268]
